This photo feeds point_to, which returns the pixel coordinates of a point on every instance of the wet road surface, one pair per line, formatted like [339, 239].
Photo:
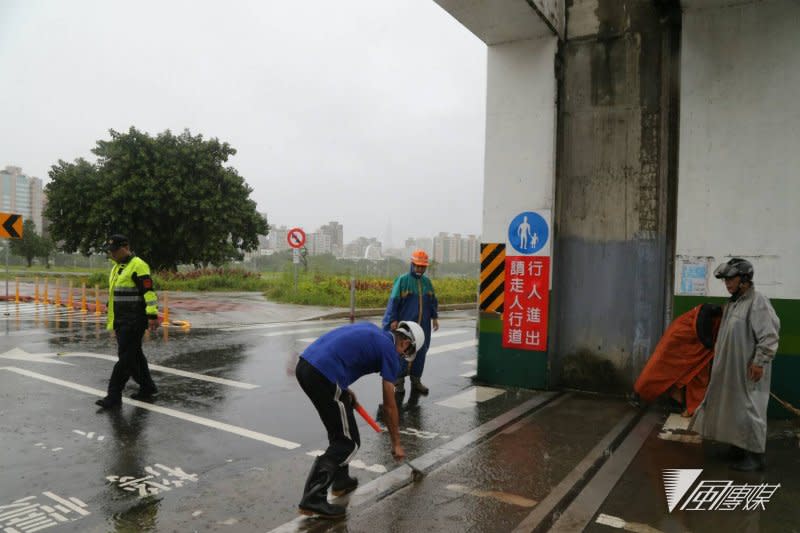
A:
[225, 445]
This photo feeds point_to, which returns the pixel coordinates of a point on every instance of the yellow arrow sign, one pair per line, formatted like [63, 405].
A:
[10, 225]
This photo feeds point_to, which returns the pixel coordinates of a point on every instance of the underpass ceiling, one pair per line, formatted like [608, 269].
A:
[500, 21]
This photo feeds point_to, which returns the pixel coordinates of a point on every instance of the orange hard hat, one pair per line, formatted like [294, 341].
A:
[419, 257]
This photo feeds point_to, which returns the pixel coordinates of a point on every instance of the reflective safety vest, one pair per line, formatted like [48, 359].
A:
[131, 298]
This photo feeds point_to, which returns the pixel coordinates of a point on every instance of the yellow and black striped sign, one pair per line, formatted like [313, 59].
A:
[10, 226]
[493, 274]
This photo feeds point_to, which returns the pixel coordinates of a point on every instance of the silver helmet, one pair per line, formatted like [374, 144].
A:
[736, 266]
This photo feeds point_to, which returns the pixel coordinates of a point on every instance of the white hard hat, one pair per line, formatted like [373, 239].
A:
[413, 332]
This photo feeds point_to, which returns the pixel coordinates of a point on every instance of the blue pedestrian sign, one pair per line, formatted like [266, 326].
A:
[528, 232]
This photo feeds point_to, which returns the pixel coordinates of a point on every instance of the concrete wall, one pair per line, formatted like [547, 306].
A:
[613, 232]
[520, 133]
[739, 189]
[519, 176]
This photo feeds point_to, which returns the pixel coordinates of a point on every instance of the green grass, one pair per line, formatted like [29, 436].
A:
[312, 288]
[326, 290]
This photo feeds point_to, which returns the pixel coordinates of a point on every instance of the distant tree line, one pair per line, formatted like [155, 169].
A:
[386, 268]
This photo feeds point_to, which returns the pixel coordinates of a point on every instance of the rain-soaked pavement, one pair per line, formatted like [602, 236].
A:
[228, 442]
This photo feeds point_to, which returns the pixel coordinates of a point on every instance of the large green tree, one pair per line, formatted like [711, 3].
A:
[30, 245]
[173, 196]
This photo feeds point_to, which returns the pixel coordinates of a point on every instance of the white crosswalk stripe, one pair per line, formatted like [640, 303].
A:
[470, 397]
[453, 346]
[436, 335]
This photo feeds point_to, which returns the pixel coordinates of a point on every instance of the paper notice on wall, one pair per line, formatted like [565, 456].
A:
[694, 278]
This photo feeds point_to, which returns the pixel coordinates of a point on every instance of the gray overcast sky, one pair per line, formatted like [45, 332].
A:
[361, 111]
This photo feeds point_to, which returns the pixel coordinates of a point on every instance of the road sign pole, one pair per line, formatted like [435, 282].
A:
[352, 299]
[8, 241]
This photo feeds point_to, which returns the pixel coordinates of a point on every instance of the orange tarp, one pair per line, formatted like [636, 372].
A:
[679, 360]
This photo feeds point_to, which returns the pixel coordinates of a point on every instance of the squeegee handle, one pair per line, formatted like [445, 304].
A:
[365, 415]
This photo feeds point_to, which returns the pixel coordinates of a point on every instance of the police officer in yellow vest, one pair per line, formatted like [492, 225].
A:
[132, 308]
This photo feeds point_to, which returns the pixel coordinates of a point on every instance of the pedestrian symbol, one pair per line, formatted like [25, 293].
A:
[528, 232]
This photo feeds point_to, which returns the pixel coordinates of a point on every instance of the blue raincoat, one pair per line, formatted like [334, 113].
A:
[412, 298]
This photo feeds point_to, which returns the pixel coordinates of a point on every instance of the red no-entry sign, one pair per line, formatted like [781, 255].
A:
[296, 237]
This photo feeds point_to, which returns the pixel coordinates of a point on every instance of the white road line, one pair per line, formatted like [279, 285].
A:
[271, 325]
[470, 397]
[436, 335]
[294, 331]
[73, 503]
[19, 354]
[619, 523]
[453, 346]
[236, 430]
[357, 463]
[168, 370]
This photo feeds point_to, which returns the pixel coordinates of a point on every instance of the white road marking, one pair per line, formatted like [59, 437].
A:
[294, 331]
[619, 523]
[19, 354]
[470, 397]
[272, 325]
[236, 430]
[610, 521]
[676, 421]
[453, 346]
[378, 469]
[414, 432]
[504, 497]
[676, 428]
[436, 335]
[678, 437]
[168, 370]
[470, 374]
[73, 503]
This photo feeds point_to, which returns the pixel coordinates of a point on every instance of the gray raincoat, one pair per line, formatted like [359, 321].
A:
[735, 408]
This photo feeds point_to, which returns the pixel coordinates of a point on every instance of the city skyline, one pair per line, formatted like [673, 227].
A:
[443, 247]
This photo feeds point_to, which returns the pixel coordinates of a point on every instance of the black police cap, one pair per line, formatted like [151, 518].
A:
[115, 242]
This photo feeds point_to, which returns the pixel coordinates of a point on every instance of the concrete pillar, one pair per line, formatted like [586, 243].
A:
[615, 182]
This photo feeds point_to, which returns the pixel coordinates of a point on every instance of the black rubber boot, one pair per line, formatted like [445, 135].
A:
[417, 385]
[109, 403]
[752, 462]
[145, 394]
[342, 482]
[315, 494]
[734, 454]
